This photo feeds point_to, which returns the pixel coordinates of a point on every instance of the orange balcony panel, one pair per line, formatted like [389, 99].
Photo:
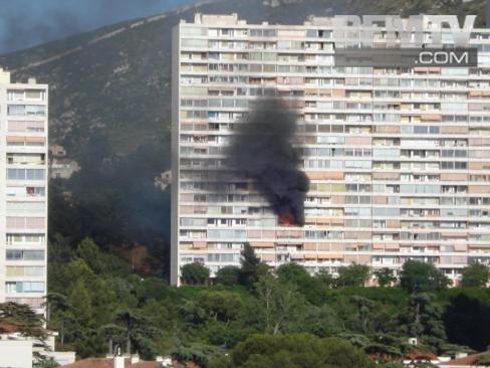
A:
[454, 129]
[460, 247]
[327, 92]
[257, 244]
[310, 246]
[337, 199]
[454, 234]
[268, 234]
[267, 257]
[390, 129]
[478, 188]
[454, 177]
[392, 246]
[325, 175]
[476, 165]
[329, 256]
[379, 200]
[431, 117]
[337, 247]
[385, 175]
[324, 246]
[199, 245]
[310, 256]
[393, 223]
[338, 92]
[358, 140]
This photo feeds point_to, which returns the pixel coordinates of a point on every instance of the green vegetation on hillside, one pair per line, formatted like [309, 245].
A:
[96, 302]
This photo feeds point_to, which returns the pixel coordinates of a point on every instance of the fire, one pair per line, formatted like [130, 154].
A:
[287, 218]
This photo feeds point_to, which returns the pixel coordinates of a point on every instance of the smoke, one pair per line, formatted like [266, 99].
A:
[25, 23]
[262, 150]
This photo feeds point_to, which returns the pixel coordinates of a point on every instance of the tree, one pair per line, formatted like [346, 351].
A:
[222, 306]
[422, 318]
[111, 333]
[280, 304]
[325, 278]
[128, 320]
[228, 275]
[312, 288]
[139, 332]
[475, 275]
[24, 319]
[293, 273]
[352, 275]
[319, 321]
[294, 351]
[467, 320]
[483, 360]
[81, 300]
[420, 277]
[250, 269]
[194, 273]
[385, 276]
[90, 253]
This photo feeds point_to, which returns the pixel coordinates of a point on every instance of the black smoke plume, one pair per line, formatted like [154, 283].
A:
[262, 150]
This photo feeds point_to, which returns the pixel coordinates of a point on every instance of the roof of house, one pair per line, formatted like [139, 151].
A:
[8, 326]
[467, 361]
[108, 363]
[420, 355]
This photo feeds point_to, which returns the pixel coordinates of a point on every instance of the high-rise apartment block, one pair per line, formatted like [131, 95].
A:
[23, 191]
[398, 157]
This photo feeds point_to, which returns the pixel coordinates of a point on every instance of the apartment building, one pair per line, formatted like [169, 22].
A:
[398, 157]
[23, 191]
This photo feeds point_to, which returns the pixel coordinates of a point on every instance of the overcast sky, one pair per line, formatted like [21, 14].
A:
[25, 23]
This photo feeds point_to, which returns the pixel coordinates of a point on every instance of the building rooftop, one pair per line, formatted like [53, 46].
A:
[467, 361]
[109, 363]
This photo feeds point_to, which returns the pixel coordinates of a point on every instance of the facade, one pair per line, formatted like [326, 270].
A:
[398, 158]
[23, 191]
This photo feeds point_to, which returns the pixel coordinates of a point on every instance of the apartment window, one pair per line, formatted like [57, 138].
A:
[24, 287]
[25, 174]
[25, 255]
[24, 271]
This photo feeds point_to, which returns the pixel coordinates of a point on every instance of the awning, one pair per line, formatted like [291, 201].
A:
[262, 244]
[460, 247]
[199, 244]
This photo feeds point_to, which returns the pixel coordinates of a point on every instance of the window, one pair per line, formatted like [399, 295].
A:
[26, 255]
[25, 174]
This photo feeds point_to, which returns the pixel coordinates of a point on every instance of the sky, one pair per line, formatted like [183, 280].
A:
[25, 23]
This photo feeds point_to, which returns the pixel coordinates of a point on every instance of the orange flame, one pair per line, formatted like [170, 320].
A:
[286, 218]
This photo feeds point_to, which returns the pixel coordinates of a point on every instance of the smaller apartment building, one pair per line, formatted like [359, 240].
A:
[23, 191]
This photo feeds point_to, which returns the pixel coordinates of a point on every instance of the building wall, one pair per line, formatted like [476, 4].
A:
[398, 159]
[16, 353]
[23, 192]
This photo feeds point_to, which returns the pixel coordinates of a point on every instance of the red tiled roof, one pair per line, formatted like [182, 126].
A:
[467, 361]
[420, 355]
[108, 363]
[9, 327]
